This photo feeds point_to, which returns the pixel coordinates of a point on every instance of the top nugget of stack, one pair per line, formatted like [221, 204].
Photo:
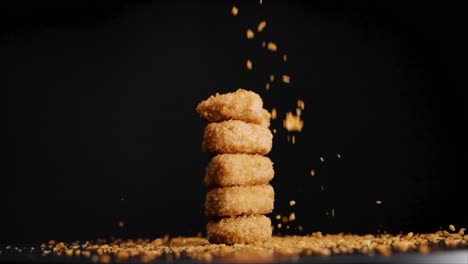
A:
[240, 105]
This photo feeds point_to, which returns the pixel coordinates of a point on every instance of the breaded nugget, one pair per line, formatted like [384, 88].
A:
[238, 169]
[239, 230]
[234, 136]
[238, 200]
[240, 105]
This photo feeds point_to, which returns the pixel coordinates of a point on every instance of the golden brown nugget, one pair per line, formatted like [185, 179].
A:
[234, 136]
[238, 169]
[240, 200]
[240, 105]
[239, 230]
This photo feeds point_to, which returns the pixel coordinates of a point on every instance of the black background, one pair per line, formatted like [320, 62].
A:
[101, 123]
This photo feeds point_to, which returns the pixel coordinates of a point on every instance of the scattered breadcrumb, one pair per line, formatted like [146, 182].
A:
[120, 224]
[267, 86]
[322, 159]
[286, 79]
[285, 57]
[234, 11]
[271, 46]
[261, 26]
[277, 248]
[338, 155]
[293, 139]
[292, 203]
[378, 202]
[263, 44]
[312, 172]
[250, 34]
[272, 78]
[452, 228]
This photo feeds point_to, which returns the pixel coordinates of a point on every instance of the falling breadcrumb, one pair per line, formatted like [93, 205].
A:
[273, 114]
[261, 26]
[452, 228]
[300, 104]
[292, 217]
[312, 173]
[249, 65]
[234, 11]
[271, 46]
[272, 78]
[292, 203]
[285, 57]
[250, 34]
[293, 122]
[286, 79]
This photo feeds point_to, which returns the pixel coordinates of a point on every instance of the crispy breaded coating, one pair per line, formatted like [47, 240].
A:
[240, 105]
[235, 136]
[238, 200]
[239, 230]
[238, 169]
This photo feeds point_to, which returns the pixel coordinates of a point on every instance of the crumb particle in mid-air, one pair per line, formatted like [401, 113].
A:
[234, 11]
[249, 65]
[271, 46]
[261, 26]
[273, 114]
[292, 217]
[250, 34]
[293, 122]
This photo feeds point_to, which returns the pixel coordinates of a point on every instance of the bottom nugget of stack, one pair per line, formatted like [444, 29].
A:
[239, 230]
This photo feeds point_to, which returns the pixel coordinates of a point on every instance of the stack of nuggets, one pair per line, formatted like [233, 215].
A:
[238, 175]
